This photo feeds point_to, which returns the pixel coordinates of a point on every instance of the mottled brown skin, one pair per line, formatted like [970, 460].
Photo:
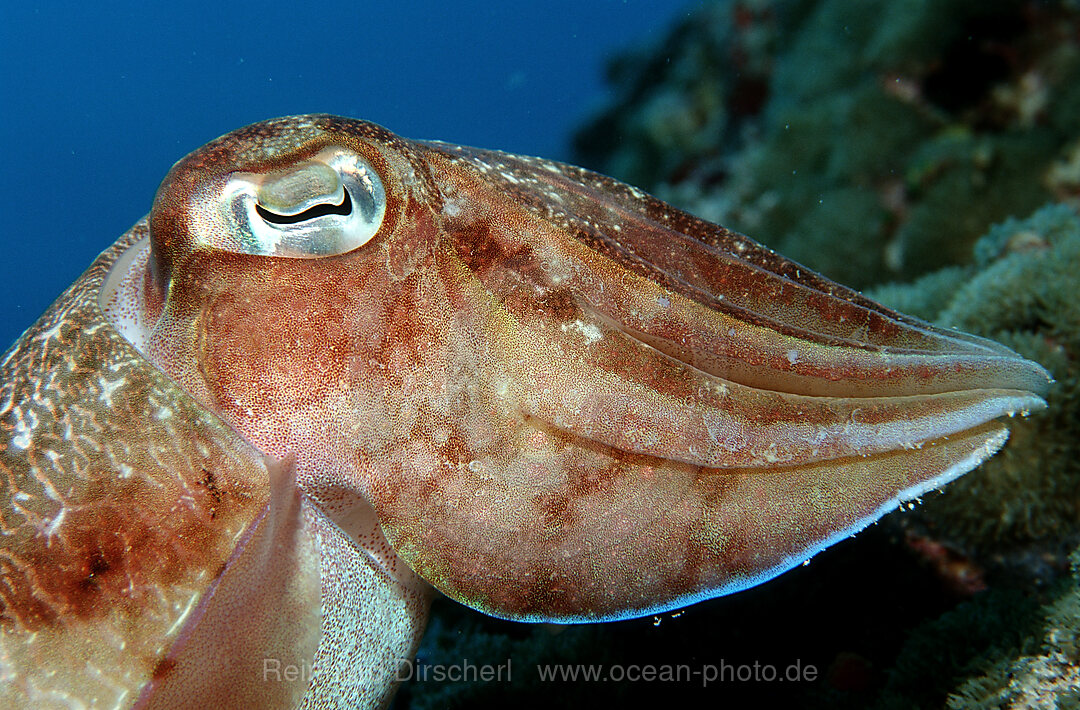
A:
[538, 389]
[127, 502]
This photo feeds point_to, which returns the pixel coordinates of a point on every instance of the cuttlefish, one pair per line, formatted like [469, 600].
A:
[334, 369]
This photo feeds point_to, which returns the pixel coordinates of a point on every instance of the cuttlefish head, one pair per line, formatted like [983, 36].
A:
[544, 392]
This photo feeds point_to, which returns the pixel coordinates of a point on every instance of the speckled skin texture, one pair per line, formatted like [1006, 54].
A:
[127, 504]
[540, 390]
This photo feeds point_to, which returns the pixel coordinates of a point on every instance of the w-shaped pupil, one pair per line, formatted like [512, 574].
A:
[311, 213]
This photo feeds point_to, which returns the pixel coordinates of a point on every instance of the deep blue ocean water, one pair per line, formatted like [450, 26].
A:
[97, 100]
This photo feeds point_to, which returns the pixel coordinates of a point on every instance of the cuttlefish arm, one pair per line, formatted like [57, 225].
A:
[562, 399]
[672, 411]
[151, 557]
[134, 522]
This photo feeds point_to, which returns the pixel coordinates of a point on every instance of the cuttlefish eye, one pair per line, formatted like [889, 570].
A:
[329, 204]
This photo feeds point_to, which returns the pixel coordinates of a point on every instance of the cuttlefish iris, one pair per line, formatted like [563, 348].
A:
[335, 368]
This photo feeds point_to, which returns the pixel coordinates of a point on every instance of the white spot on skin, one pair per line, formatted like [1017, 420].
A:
[792, 356]
[589, 330]
[23, 432]
[664, 301]
[452, 208]
[107, 389]
[54, 525]
[46, 484]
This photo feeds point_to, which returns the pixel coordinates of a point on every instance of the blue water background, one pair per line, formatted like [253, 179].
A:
[97, 100]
